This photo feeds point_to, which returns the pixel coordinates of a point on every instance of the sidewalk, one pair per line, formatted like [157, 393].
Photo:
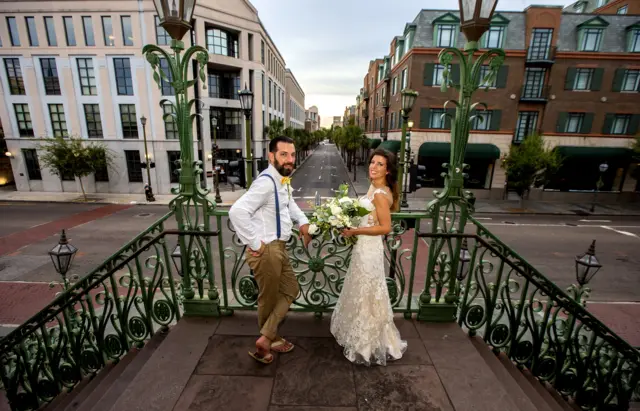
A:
[361, 186]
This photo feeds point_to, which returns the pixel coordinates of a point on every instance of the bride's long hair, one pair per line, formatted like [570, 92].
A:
[392, 174]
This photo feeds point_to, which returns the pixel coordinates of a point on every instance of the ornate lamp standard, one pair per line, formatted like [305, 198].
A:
[603, 169]
[407, 162]
[451, 207]
[62, 256]
[246, 102]
[148, 191]
[175, 17]
[214, 160]
[408, 99]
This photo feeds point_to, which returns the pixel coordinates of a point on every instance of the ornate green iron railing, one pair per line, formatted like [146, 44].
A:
[136, 293]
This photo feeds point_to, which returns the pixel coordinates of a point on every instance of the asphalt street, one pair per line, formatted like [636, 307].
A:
[323, 173]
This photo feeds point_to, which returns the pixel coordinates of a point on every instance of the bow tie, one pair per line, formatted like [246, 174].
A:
[285, 181]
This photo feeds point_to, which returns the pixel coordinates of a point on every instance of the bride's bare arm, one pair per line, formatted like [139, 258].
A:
[383, 210]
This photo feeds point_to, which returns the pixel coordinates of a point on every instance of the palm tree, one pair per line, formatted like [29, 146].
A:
[274, 129]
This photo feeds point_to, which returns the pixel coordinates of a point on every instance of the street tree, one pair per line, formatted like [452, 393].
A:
[274, 129]
[530, 164]
[71, 157]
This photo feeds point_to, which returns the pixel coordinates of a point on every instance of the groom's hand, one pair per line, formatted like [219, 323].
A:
[304, 231]
[259, 252]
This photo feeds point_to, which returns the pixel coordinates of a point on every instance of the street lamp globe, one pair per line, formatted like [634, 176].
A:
[604, 167]
[410, 124]
[143, 121]
[214, 121]
[246, 100]
[175, 16]
[587, 265]
[62, 255]
[408, 99]
[475, 17]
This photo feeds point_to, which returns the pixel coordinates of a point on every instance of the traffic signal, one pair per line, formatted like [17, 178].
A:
[417, 176]
[235, 173]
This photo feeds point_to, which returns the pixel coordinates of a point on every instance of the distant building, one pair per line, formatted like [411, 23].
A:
[337, 121]
[312, 119]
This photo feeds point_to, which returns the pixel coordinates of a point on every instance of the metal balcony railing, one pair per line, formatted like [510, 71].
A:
[541, 54]
[534, 93]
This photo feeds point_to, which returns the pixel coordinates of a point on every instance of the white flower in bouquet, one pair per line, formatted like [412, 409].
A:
[336, 210]
[313, 229]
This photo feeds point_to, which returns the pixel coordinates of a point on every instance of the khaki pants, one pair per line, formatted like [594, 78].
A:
[277, 285]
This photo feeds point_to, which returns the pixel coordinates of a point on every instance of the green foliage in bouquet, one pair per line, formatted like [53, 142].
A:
[336, 214]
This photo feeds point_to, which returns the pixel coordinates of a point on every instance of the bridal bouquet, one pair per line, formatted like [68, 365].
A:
[336, 214]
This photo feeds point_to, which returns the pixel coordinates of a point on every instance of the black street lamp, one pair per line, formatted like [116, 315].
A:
[465, 258]
[175, 18]
[246, 102]
[603, 169]
[62, 255]
[214, 155]
[587, 265]
[148, 164]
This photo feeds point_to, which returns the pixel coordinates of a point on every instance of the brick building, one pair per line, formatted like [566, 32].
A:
[573, 77]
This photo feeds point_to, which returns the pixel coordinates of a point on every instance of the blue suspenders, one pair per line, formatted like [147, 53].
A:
[275, 189]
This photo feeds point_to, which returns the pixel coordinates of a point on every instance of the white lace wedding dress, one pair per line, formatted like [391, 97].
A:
[362, 321]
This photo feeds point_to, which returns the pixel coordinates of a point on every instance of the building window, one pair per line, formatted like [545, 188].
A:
[224, 85]
[124, 81]
[32, 163]
[87, 27]
[634, 41]
[162, 37]
[622, 10]
[94, 123]
[446, 35]
[50, 28]
[50, 77]
[574, 122]
[174, 166]
[229, 123]
[630, 80]
[165, 83]
[101, 174]
[222, 43]
[436, 119]
[404, 79]
[58, 122]
[438, 74]
[540, 44]
[394, 86]
[533, 82]
[14, 76]
[23, 117]
[494, 37]
[134, 168]
[87, 77]
[14, 36]
[583, 79]
[621, 124]
[69, 32]
[482, 120]
[170, 125]
[484, 72]
[262, 51]
[591, 38]
[107, 31]
[527, 121]
[32, 33]
[127, 31]
[129, 121]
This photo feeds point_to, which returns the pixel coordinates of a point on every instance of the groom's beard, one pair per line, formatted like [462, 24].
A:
[285, 169]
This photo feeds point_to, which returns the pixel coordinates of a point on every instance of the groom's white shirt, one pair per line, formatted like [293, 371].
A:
[254, 214]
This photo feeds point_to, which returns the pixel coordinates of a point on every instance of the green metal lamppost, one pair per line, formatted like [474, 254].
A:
[175, 17]
[246, 102]
[451, 207]
[214, 160]
[405, 184]
[408, 99]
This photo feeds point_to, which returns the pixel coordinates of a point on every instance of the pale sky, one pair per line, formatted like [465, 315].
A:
[328, 44]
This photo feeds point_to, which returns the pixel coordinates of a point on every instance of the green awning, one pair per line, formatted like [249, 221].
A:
[374, 142]
[474, 150]
[596, 153]
[391, 145]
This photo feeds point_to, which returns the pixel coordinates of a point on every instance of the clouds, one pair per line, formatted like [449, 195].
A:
[328, 44]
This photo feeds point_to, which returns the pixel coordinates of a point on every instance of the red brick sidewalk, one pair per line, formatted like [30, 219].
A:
[15, 241]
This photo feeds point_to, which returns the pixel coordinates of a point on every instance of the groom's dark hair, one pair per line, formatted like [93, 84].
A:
[273, 144]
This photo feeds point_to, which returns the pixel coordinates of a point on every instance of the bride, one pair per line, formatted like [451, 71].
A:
[362, 321]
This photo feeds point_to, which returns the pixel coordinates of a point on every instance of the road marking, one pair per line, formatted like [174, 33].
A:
[484, 218]
[619, 231]
[319, 177]
[595, 221]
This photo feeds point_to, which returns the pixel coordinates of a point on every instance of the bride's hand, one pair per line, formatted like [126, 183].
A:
[349, 232]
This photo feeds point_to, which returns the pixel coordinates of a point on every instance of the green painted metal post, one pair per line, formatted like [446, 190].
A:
[249, 154]
[403, 143]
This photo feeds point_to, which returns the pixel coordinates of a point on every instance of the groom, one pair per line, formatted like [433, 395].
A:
[262, 218]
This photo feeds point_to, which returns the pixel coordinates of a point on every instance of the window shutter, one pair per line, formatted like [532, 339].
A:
[455, 73]
[596, 81]
[633, 125]
[608, 122]
[501, 81]
[496, 116]
[587, 121]
[617, 79]
[424, 118]
[447, 119]
[570, 78]
[428, 74]
[562, 120]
